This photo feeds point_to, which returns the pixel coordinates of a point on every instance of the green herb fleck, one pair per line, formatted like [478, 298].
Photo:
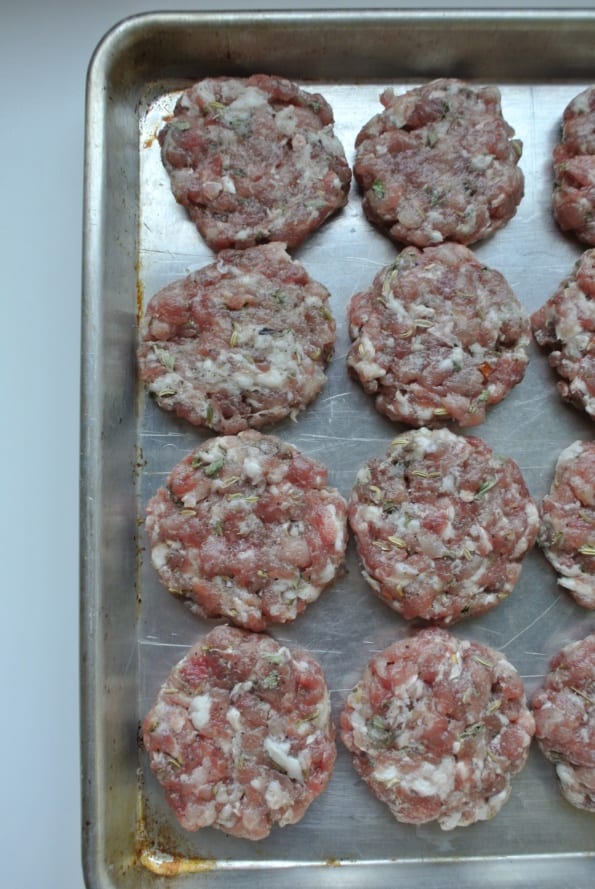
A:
[379, 731]
[271, 680]
[274, 657]
[481, 661]
[379, 189]
[587, 549]
[485, 487]
[582, 694]
[214, 467]
[471, 731]
[179, 125]
[164, 358]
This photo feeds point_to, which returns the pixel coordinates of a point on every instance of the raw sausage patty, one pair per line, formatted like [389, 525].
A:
[437, 728]
[564, 711]
[241, 736]
[565, 327]
[246, 528]
[240, 343]
[438, 336]
[254, 160]
[567, 529]
[574, 169]
[441, 525]
[439, 164]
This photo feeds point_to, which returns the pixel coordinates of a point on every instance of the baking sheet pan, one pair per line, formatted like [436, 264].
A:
[137, 240]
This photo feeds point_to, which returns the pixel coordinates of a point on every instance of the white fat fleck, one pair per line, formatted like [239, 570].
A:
[283, 586]
[363, 476]
[386, 774]
[366, 347]
[340, 531]
[233, 716]
[227, 816]
[250, 524]
[159, 555]
[244, 105]
[307, 592]
[569, 454]
[240, 688]
[200, 711]
[327, 574]
[330, 142]
[532, 519]
[324, 712]
[211, 452]
[581, 103]
[279, 753]
[402, 573]
[449, 483]
[481, 161]
[253, 468]
[424, 442]
[482, 537]
[430, 779]
[293, 529]
[234, 369]
[228, 185]
[239, 603]
[456, 668]
[275, 797]
[166, 384]
[582, 586]
[258, 783]
[363, 359]
[371, 514]
[285, 121]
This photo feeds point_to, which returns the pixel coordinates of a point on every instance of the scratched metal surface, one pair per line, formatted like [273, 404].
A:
[348, 624]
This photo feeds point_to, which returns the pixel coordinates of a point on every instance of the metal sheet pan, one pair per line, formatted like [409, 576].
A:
[135, 240]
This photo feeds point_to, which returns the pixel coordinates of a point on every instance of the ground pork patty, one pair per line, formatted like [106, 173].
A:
[439, 164]
[241, 736]
[247, 528]
[254, 160]
[573, 201]
[567, 528]
[438, 336]
[564, 711]
[565, 327]
[441, 525]
[438, 727]
[241, 342]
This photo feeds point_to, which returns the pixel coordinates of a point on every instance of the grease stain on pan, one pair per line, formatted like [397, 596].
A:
[166, 865]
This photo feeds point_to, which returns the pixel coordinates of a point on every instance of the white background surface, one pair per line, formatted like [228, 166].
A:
[45, 47]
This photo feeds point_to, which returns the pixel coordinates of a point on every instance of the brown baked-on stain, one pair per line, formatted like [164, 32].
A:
[140, 299]
[150, 856]
[166, 865]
